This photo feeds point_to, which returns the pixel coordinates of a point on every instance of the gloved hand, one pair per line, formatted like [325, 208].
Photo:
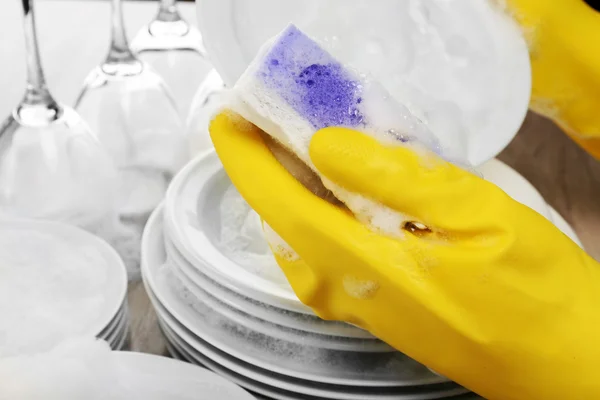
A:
[494, 297]
[563, 38]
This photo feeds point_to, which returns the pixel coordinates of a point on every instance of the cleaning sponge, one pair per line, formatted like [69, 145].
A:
[294, 88]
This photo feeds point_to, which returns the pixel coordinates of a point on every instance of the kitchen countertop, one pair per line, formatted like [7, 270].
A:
[74, 37]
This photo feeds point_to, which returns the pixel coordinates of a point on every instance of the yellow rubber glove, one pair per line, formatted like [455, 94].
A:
[495, 298]
[564, 38]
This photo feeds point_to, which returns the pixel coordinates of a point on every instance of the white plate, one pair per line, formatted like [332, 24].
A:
[181, 378]
[233, 31]
[290, 319]
[120, 341]
[519, 188]
[191, 223]
[564, 226]
[200, 349]
[515, 185]
[103, 258]
[119, 332]
[110, 328]
[305, 362]
[268, 328]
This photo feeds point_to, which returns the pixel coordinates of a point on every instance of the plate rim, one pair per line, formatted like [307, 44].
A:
[116, 272]
[194, 275]
[328, 393]
[216, 305]
[242, 281]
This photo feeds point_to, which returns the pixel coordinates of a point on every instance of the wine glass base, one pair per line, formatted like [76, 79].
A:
[176, 35]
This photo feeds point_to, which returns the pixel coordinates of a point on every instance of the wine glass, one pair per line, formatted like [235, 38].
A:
[131, 110]
[175, 50]
[209, 98]
[51, 165]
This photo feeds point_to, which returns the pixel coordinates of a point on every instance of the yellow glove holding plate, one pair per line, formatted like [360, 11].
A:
[564, 40]
[495, 297]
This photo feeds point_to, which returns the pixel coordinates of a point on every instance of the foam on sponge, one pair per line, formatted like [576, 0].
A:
[294, 88]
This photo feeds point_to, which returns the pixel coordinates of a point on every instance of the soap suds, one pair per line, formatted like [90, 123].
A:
[242, 239]
[461, 66]
[359, 288]
[294, 88]
[278, 245]
[376, 216]
[266, 351]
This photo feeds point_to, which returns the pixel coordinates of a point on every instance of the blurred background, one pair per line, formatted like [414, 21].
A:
[70, 47]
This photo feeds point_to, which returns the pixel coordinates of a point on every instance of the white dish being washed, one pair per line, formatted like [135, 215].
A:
[56, 282]
[460, 66]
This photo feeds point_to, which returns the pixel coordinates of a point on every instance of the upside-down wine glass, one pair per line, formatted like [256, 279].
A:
[174, 48]
[131, 110]
[51, 165]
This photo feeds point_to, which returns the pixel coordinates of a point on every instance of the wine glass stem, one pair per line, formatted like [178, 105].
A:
[36, 92]
[119, 47]
[167, 11]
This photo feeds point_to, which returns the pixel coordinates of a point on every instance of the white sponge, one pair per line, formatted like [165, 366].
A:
[294, 88]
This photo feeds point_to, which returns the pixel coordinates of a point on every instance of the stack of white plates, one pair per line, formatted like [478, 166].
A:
[116, 332]
[271, 351]
[56, 282]
[247, 324]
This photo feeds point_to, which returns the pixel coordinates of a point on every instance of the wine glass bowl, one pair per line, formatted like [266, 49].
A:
[51, 165]
[138, 124]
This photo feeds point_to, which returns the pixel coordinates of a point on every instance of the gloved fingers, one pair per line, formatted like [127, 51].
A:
[413, 182]
[313, 227]
[308, 223]
[335, 284]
